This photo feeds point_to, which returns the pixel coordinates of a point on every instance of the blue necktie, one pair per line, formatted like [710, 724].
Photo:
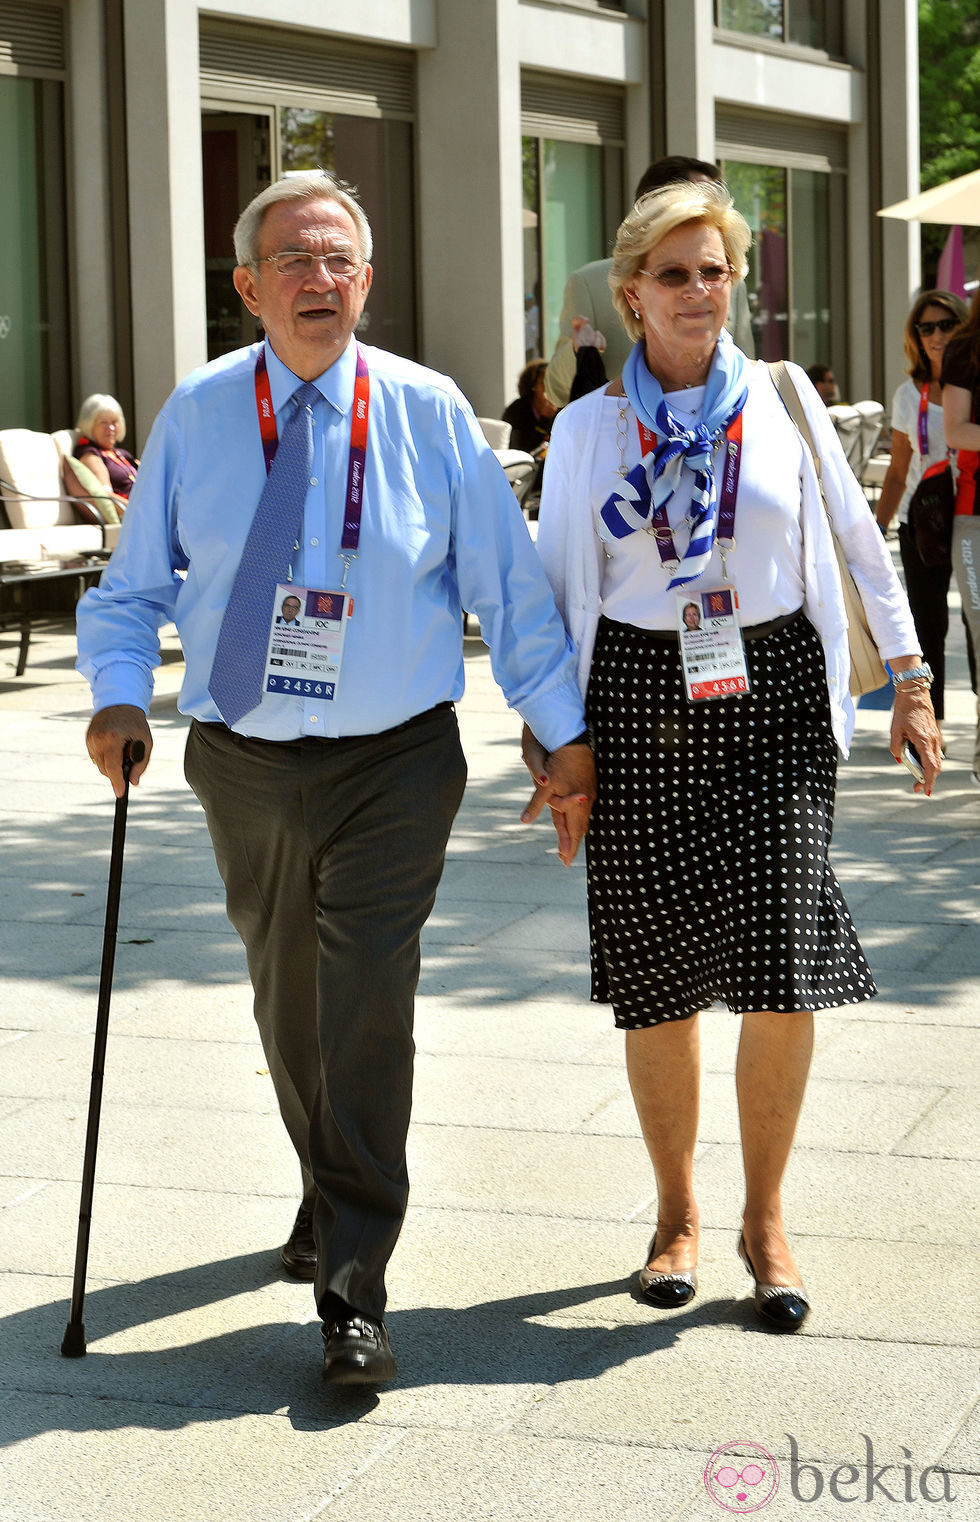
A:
[239, 658]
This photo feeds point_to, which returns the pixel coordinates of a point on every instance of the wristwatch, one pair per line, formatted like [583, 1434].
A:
[921, 673]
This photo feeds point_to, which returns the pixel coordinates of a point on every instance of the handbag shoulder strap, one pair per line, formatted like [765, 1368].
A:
[790, 398]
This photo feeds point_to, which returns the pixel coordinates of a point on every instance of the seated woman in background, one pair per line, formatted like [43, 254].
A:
[531, 414]
[102, 428]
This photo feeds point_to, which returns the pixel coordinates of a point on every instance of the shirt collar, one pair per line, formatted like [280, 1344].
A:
[335, 385]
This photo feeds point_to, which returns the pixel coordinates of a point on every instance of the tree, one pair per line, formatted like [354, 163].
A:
[949, 104]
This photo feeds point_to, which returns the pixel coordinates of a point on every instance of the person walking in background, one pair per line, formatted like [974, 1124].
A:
[960, 383]
[918, 442]
[708, 870]
[309, 465]
[587, 297]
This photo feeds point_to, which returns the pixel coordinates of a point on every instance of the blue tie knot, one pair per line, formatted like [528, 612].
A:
[306, 396]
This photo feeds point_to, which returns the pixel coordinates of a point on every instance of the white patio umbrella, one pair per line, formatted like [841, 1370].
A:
[956, 202]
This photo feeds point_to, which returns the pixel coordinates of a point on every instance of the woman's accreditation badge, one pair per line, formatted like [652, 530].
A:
[306, 641]
[712, 648]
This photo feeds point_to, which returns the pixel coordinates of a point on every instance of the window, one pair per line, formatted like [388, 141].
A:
[565, 226]
[572, 177]
[319, 102]
[376, 156]
[34, 349]
[791, 265]
[807, 23]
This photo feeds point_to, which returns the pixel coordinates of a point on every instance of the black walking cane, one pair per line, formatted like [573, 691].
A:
[73, 1344]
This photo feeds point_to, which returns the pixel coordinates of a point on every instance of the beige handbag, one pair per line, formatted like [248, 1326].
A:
[867, 670]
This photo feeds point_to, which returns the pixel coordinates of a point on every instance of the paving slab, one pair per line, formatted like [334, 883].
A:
[912, 1055]
[636, 1388]
[89, 1460]
[897, 1199]
[161, 1147]
[486, 1478]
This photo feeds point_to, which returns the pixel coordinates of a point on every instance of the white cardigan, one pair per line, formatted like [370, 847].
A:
[572, 555]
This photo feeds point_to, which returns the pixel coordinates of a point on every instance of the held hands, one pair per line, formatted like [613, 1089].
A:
[106, 739]
[914, 723]
[565, 781]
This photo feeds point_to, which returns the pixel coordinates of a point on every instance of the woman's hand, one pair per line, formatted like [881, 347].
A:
[914, 723]
[565, 781]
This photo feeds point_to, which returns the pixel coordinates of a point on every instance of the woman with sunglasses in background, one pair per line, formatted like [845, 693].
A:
[715, 738]
[961, 411]
[918, 442]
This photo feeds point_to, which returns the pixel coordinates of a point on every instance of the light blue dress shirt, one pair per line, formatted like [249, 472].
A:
[441, 531]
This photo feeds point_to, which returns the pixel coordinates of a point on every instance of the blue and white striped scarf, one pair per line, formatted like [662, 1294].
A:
[654, 481]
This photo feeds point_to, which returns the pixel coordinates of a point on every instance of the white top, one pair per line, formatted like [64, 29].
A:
[784, 554]
[766, 564]
[905, 418]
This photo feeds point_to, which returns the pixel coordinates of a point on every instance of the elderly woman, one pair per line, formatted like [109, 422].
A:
[715, 745]
[101, 429]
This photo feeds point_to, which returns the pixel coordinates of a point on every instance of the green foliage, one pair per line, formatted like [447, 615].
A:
[949, 89]
[949, 104]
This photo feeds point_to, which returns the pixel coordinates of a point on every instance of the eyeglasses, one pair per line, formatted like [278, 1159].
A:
[675, 277]
[292, 262]
[945, 325]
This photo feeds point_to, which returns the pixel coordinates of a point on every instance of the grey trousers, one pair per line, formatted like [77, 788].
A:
[966, 567]
[331, 853]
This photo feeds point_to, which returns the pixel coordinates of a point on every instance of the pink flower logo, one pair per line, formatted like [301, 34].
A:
[742, 1477]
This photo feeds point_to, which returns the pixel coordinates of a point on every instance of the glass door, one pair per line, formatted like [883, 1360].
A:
[34, 350]
[237, 160]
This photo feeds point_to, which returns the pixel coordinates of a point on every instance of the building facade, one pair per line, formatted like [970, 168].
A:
[495, 144]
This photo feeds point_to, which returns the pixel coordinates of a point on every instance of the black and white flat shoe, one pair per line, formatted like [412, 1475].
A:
[668, 1292]
[783, 1307]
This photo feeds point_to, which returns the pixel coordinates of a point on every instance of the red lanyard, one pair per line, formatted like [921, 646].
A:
[356, 456]
[729, 491]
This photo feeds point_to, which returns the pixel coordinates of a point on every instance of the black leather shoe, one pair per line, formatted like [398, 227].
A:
[668, 1292]
[783, 1307]
[299, 1253]
[356, 1351]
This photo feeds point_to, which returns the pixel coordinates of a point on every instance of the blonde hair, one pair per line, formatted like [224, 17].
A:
[657, 214]
[90, 409]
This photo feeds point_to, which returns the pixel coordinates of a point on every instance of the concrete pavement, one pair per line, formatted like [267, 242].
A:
[532, 1385]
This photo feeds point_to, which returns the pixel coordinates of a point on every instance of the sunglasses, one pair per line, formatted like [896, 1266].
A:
[676, 277]
[945, 325]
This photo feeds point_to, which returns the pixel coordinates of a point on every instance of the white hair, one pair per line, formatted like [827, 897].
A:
[90, 409]
[304, 185]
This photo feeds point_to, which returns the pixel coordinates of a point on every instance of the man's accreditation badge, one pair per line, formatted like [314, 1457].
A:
[712, 648]
[306, 641]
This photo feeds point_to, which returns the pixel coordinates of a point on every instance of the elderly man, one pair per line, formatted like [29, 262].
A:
[327, 757]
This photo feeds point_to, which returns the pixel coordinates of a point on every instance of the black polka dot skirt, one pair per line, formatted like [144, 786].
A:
[707, 851]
